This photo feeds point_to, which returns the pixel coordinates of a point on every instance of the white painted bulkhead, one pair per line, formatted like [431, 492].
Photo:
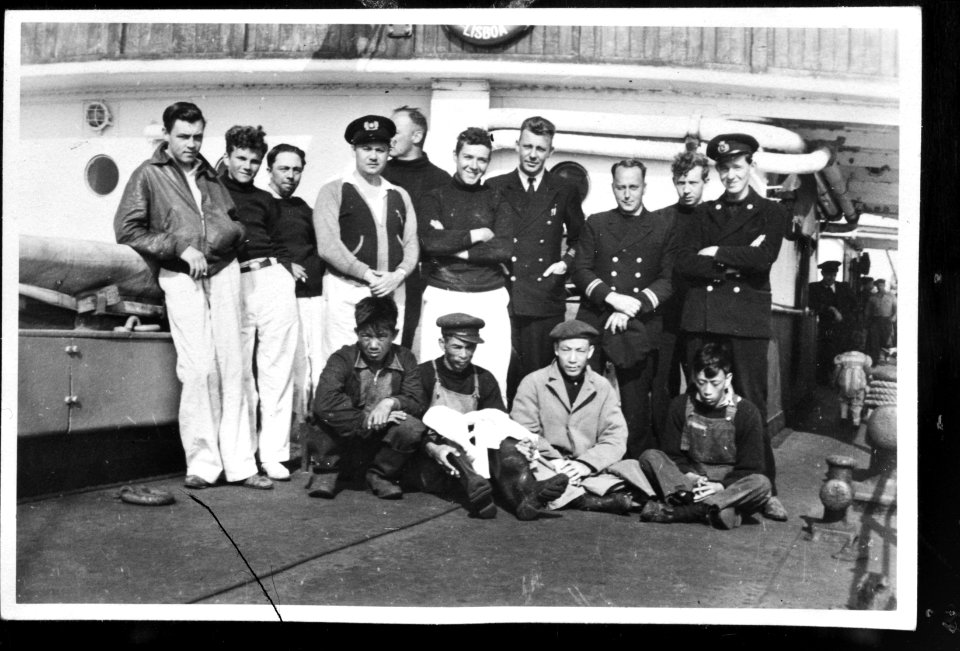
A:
[55, 145]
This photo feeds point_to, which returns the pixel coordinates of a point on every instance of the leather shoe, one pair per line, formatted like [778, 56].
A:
[196, 482]
[383, 488]
[323, 484]
[257, 481]
[618, 503]
[655, 511]
[276, 470]
[680, 497]
[774, 510]
[727, 518]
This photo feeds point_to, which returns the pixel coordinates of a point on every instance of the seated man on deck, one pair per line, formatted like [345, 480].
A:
[464, 396]
[368, 395]
[711, 466]
[583, 435]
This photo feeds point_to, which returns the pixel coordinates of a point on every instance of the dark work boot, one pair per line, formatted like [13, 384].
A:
[618, 503]
[323, 481]
[525, 495]
[696, 512]
[381, 477]
[478, 489]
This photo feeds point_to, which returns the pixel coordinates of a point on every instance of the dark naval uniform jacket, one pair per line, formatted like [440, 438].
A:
[627, 254]
[538, 238]
[729, 294]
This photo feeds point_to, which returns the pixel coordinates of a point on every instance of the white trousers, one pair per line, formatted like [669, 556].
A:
[340, 298]
[204, 320]
[494, 353]
[270, 328]
[309, 360]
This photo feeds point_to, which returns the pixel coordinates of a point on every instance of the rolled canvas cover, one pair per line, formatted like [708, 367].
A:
[73, 267]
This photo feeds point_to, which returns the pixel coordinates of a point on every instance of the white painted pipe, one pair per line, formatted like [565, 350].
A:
[661, 150]
[651, 126]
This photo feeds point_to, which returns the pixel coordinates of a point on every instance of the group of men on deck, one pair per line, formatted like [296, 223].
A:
[282, 313]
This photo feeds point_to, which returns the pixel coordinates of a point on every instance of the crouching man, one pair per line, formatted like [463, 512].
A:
[368, 397]
[710, 469]
[583, 435]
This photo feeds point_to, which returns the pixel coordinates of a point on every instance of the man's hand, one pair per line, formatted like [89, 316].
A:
[385, 282]
[436, 225]
[298, 272]
[481, 235]
[463, 255]
[623, 303]
[197, 262]
[836, 314]
[710, 251]
[617, 322]
[379, 416]
[438, 452]
[529, 449]
[575, 470]
[556, 269]
[706, 489]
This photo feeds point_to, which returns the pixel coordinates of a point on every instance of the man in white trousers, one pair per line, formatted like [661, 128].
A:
[270, 325]
[366, 233]
[178, 216]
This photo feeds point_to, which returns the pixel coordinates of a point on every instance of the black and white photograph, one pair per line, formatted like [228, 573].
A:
[605, 316]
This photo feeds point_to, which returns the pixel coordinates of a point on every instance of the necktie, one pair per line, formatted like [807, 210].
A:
[530, 188]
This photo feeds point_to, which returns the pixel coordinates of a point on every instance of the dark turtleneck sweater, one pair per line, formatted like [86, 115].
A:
[417, 177]
[295, 232]
[460, 208]
[672, 308]
[259, 213]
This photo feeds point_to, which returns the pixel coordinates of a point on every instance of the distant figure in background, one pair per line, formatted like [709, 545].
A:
[270, 327]
[546, 205]
[835, 306]
[410, 168]
[880, 315]
[850, 375]
[366, 232]
[690, 170]
[294, 230]
[176, 214]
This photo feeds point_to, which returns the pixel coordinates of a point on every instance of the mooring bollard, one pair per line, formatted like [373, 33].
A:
[837, 491]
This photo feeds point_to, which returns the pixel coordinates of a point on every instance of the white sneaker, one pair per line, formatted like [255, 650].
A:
[276, 470]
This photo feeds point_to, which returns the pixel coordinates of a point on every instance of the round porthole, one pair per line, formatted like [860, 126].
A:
[102, 175]
[573, 173]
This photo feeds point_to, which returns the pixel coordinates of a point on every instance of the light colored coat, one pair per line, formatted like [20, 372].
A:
[592, 430]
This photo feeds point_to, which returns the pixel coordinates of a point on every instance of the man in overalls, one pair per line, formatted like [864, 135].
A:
[710, 467]
[455, 386]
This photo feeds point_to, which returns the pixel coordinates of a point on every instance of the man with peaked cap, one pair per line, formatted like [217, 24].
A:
[624, 269]
[576, 413]
[835, 306]
[726, 252]
[366, 232]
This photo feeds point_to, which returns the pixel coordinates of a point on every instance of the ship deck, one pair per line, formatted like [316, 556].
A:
[283, 554]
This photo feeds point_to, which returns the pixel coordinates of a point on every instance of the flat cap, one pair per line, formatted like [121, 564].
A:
[573, 329]
[462, 326]
[830, 266]
[731, 144]
[370, 128]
